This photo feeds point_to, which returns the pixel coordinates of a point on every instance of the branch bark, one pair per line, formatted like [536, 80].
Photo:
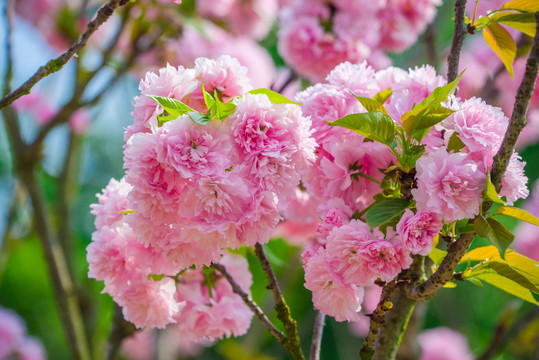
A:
[54, 65]
[458, 40]
[292, 342]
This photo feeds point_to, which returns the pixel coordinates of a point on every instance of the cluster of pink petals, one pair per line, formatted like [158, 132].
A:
[189, 192]
[251, 18]
[353, 257]
[217, 312]
[418, 230]
[449, 185]
[14, 343]
[443, 344]
[316, 36]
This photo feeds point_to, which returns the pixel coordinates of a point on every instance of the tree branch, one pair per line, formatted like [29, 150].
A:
[119, 331]
[292, 342]
[377, 318]
[250, 303]
[56, 64]
[317, 336]
[458, 40]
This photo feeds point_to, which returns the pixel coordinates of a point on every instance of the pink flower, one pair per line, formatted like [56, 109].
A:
[170, 82]
[403, 21]
[332, 294]
[481, 127]
[311, 50]
[337, 214]
[449, 185]
[514, 180]
[40, 108]
[224, 75]
[443, 344]
[113, 200]
[273, 142]
[12, 331]
[193, 150]
[31, 349]
[150, 303]
[217, 312]
[80, 122]
[417, 231]
[300, 219]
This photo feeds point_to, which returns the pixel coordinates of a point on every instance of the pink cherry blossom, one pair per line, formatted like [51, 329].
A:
[418, 230]
[150, 303]
[332, 294]
[443, 344]
[273, 142]
[12, 331]
[449, 185]
[480, 127]
[113, 200]
[514, 180]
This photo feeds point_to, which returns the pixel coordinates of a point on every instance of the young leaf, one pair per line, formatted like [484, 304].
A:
[475, 281]
[370, 104]
[524, 22]
[208, 98]
[199, 118]
[222, 110]
[412, 120]
[501, 42]
[495, 232]
[382, 96]
[273, 96]
[373, 125]
[172, 106]
[455, 143]
[518, 214]
[385, 211]
[522, 5]
[489, 193]
[509, 286]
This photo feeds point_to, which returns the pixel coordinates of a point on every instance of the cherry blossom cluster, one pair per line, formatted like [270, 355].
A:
[316, 36]
[351, 173]
[192, 190]
[15, 344]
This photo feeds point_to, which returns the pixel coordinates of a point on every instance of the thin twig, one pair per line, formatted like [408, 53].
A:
[9, 11]
[292, 342]
[292, 75]
[458, 40]
[56, 64]
[250, 303]
[318, 330]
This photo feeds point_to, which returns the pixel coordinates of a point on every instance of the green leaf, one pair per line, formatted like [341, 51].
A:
[509, 286]
[501, 42]
[437, 255]
[489, 193]
[518, 214]
[522, 5]
[223, 109]
[130, 211]
[383, 95]
[373, 125]
[413, 120]
[369, 104]
[385, 211]
[523, 22]
[156, 277]
[273, 96]
[208, 98]
[165, 118]
[455, 143]
[450, 285]
[495, 232]
[475, 281]
[172, 106]
[199, 118]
